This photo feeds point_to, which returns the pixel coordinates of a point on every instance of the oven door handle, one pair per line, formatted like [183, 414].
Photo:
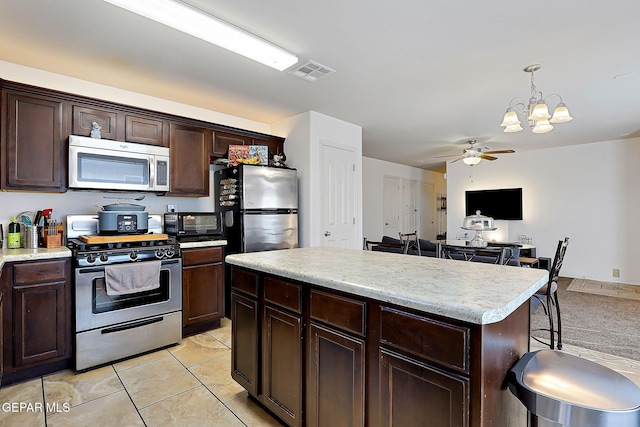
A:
[132, 325]
[85, 270]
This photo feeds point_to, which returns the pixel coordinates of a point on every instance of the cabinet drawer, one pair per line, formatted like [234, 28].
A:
[338, 311]
[446, 344]
[38, 272]
[285, 294]
[244, 281]
[201, 256]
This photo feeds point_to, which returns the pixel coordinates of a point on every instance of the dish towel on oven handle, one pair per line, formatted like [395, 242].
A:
[122, 279]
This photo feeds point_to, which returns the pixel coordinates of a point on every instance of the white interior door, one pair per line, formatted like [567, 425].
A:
[338, 197]
[428, 208]
[409, 206]
[391, 206]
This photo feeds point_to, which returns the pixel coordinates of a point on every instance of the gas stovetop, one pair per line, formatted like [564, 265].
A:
[91, 249]
[112, 252]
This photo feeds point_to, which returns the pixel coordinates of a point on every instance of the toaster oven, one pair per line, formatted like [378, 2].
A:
[193, 225]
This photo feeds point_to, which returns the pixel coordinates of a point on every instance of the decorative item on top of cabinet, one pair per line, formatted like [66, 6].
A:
[222, 140]
[202, 289]
[84, 117]
[36, 318]
[32, 142]
[190, 153]
[275, 147]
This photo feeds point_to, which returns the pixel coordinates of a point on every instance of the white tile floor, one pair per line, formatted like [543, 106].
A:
[618, 290]
[185, 385]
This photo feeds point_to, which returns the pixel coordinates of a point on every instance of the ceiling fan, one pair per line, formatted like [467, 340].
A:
[472, 155]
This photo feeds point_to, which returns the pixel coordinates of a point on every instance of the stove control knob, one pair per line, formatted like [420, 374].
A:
[170, 253]
[133, 255]
[91, 258]
[104, 257]
[160, 253]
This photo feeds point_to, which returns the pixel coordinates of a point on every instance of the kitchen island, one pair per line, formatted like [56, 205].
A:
[330, 336]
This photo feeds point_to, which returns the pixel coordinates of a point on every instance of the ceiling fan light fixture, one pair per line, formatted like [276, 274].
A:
[513, 128]
[510, 118]
[542, 126]
[471, 160]
[561, 114]
[209, 28]
[536, 111]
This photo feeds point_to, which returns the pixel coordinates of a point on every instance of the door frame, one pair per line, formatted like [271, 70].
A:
[357, 193]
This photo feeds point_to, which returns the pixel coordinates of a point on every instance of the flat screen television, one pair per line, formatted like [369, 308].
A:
[504, 204]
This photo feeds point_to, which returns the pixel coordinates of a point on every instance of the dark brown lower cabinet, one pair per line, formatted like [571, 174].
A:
[202, 289]
[37, 333]
[319, 357]
[443, 398]
[282, 364]
[245, 342]
[335, 379]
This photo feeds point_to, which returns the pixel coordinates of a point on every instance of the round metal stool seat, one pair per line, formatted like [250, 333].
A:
[574, 392]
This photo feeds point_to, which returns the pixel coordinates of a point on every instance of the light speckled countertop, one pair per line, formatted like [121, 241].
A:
[469, 291]
[13, 255]
[202, 244]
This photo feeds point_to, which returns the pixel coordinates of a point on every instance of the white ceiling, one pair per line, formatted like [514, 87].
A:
[420, 77]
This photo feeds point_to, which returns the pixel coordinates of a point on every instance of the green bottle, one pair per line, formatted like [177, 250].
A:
[13, 237]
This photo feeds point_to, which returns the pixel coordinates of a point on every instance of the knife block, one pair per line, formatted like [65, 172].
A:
[53, 240]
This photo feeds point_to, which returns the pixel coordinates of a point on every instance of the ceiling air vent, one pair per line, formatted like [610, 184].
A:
[311, 71]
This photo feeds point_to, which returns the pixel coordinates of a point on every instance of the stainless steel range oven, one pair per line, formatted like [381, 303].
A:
[112, 326]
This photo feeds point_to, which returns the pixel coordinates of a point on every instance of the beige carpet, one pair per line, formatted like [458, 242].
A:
[617, 290]
[609, 324]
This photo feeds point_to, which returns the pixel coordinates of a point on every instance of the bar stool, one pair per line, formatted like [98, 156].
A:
[574, 392]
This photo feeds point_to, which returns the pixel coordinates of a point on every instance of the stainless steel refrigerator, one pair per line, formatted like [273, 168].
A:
[259, 206]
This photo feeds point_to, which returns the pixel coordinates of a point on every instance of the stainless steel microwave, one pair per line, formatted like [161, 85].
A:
[104, 164]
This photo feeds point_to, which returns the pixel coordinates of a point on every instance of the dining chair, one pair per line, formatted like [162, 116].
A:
[548, 296]
[488, 255]
[411, 243]
[387, 244]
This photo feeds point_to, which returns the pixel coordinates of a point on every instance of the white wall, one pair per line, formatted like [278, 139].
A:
[373, 173]
[588, 193]
[306, 134]
[83, 202]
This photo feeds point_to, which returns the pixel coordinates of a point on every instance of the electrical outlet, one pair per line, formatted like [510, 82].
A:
[616, 272]
[171, 208]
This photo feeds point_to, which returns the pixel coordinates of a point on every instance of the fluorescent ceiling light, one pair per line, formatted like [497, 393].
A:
[207, 27]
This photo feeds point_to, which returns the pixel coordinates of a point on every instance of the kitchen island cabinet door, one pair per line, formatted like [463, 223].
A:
[413, 393]
[32, 143]
[335, 380]
[282, 364]
[245, 342]
[190, 153]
